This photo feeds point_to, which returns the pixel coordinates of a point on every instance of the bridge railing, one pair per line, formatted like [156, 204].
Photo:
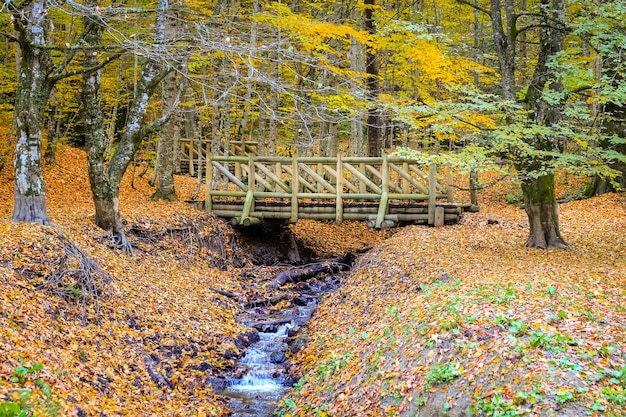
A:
[301, 180]
[192, 153]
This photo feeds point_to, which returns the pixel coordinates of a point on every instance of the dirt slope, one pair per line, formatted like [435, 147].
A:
[157, 322]
[117, 335]
[464, 320]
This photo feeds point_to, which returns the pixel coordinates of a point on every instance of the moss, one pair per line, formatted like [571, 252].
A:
[539, 190]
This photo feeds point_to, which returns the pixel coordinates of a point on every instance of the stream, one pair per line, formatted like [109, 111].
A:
[265, 365]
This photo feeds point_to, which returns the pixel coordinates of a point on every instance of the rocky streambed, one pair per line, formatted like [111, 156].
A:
[276, 331]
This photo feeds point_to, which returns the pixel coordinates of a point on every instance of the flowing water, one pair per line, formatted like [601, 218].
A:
[261, 387]
[266, 376]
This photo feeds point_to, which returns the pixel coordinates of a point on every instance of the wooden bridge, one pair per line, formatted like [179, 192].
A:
[382, 191]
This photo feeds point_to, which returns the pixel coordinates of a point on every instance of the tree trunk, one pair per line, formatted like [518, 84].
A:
[115, 114]
[505, 47]
[108, 216]
[615, 125]
[473, 182]
[356, 120]
[598, 186]
[33, 91]
[541, 208]
[30, 199]
[243, 125]
[372, 67]
[54, 127]
[105, 182]
[105, 192]
[167, 139]
[170, 132]
[539, 197]
[272, 139]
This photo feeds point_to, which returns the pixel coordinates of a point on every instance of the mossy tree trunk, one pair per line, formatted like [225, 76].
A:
[38, 75]
[534, 161]
[541, 208]
[538, 187]
[105, 191]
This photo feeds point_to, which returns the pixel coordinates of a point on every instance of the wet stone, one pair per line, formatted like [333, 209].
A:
[218, 384]
[277, 357]
[247, 338]
[230, 354]
[290, 381]
[300, 301]
[293, 331]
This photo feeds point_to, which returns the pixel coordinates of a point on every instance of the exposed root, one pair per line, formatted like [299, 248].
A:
[191, 237]
[58, 266]
[330, 266]
[121, 242]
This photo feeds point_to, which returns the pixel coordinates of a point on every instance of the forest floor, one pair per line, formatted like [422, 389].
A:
[464, 320]
[432, 321]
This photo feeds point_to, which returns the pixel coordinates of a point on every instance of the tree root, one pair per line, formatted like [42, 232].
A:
[75, 276]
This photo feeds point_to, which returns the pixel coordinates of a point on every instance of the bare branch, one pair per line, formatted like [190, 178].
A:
[87, 70]
[475, 6]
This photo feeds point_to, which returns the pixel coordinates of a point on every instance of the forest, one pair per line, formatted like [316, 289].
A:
[119, 297]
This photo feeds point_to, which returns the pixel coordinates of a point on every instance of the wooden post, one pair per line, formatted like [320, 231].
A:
[449, 185]
[439, 216]
[405, 183]
[208, 186]
[384, 199]
[362, 186]
[237, 170]
[339, 189]
[192, 169]
[247, 208]
[320, 172]
[295, 187]
[182, 154]
[432, 194]
[200, 156]
[248, 205]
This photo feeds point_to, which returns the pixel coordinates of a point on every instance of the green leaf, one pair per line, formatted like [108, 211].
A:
[290, 403]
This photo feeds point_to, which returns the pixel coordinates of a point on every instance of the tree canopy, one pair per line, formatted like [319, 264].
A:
[535, 84]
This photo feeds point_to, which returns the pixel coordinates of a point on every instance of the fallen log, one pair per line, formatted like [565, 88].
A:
[157, 377]
[226, 293]
[265, 302]
[329, 266]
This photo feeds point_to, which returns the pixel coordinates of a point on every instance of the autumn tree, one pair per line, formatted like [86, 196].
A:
[601, 28]
[537, 120]
[105, 180]
[40, 70]
[532, 149]
[552, 131]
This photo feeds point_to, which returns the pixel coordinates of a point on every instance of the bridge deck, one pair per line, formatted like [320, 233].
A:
[382, 191]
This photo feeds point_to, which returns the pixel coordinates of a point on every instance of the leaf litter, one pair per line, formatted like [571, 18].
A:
[464, 320]
[433, 320]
